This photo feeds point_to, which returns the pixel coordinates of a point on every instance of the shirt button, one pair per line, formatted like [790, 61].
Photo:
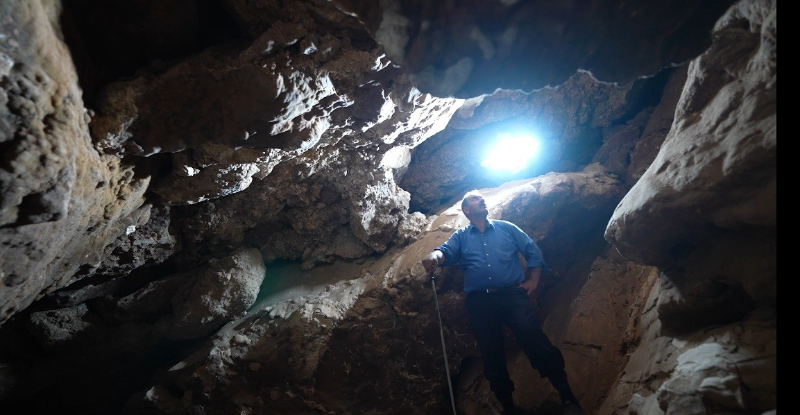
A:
[490, 265]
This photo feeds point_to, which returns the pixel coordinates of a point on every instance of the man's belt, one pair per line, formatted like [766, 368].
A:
[496, 290]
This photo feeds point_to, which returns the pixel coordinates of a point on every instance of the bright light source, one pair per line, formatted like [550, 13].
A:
[511, 153]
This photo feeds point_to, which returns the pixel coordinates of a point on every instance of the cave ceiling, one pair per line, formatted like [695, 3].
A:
[158, 154]
[296, 105]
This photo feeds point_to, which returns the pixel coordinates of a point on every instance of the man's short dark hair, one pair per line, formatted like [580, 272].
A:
[473, 192]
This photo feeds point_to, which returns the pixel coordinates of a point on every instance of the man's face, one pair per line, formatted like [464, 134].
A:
[476, 206]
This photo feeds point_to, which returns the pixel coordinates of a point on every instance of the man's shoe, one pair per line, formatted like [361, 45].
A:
[572, 408]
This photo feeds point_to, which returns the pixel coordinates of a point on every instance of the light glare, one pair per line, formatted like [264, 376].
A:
[511, 154]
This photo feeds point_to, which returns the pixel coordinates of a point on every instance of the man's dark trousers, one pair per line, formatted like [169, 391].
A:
[511, 306]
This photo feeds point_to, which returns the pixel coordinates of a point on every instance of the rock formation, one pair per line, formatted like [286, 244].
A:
[217, 207]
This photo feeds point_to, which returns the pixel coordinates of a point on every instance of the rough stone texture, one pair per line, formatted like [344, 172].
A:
[146, 242]
[716, 229]
[704, 372]
[149, 303]
[657, 127]
[223, 291]
[629, 149]
[275, 339]
[139, 165]
[692, 196]
[62, 203]
[650, 362]
[598, 328]
[456, 48]
[411, 228]
[54, 327]
[717, 370]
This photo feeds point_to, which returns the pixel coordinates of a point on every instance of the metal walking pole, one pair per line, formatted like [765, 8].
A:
[444, 349]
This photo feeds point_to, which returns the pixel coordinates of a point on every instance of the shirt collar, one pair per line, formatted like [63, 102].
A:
[489, 225]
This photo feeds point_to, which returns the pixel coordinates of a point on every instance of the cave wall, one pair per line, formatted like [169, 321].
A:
[62, 202]
[232, 220]
[711, 295]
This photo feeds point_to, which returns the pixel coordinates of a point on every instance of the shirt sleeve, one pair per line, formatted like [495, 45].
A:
[526, 245]
[451, 249]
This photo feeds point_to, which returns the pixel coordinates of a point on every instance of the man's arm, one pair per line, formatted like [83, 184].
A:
[534, 258]
[432, 261]
[531, 279]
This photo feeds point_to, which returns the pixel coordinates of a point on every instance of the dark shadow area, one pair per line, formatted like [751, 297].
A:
[94, 376]
[112, 39]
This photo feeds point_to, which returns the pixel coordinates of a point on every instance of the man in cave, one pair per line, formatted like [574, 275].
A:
[497, 292]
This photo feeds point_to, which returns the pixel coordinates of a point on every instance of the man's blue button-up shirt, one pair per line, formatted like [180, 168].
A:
[489, 259]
